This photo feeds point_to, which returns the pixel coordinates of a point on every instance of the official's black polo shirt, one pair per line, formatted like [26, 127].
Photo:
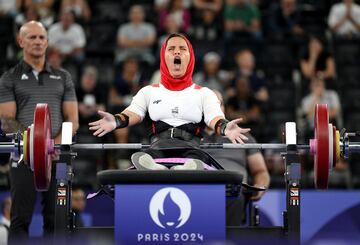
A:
[51, 86]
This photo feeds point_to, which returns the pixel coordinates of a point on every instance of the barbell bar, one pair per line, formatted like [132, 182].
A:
[133, 146]
[12, 147]
[353, 146]
[36, 146]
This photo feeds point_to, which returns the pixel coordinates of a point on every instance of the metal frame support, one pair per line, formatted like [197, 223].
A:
[63, 218]
[293, 194]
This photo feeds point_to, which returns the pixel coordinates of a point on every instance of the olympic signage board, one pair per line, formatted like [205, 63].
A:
[169, 214]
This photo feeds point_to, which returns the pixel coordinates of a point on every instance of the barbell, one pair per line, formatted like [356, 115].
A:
[36, 146]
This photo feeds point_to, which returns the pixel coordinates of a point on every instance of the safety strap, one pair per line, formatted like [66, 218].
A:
[192, 129]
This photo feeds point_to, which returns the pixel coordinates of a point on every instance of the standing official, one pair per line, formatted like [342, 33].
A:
[29, 82]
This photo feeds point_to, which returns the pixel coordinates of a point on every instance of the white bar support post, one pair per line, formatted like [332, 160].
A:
[290, 133]
[66, 133]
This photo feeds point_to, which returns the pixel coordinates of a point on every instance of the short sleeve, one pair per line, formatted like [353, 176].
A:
[6, 88]
[332, 19]
[69, 92]
[151, 30]
[80, 40]
[51, 35]
[306, 103]
[123, 31]
[140, 102]
[335, 101]
[211, 106]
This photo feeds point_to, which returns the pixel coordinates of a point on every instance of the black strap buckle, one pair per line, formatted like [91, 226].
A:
[177, 133]
[172, 132]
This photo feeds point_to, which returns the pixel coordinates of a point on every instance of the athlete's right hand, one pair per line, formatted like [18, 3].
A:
[234, 133]
[103, 126]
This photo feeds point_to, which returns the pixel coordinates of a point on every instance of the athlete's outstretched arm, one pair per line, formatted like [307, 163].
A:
[109, 122]
[229, 129]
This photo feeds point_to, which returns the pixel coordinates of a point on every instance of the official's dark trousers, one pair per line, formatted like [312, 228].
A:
[23, 196]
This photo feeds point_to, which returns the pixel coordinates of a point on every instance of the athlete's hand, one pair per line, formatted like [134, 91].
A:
[234, 133]
[103, 126]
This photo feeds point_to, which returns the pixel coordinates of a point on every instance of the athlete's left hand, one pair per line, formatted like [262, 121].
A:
[234, 133]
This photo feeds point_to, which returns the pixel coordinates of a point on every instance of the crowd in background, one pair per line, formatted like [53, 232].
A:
[271, 60]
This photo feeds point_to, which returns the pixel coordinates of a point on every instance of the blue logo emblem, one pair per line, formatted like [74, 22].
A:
[167, 199]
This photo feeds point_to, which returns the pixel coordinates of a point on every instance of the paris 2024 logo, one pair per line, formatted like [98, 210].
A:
[173, 196]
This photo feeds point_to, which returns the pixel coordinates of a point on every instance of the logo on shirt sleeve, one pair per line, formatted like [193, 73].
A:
[156, 101]
[55, 77]
[24, 77]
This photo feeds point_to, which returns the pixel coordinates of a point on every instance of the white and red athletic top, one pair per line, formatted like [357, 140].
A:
[176, 107]
[176, 101]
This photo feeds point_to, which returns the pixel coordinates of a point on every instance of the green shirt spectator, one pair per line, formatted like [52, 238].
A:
[246, 13]
[241, 17]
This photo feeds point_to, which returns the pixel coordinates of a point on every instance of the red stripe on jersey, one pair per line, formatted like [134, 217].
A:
[197, 131]
[155, 85]
[197, 86]
[153, 127]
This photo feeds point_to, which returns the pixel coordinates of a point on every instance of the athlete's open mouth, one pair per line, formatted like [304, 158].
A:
[177, 61]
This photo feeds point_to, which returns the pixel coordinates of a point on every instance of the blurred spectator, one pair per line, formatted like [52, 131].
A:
[344, 19]
[5, 220]
[42, 5]
[44, 9]
[178, 12]
[244, 105]
[211, 76]
[78, 204]
[30, 13]
[316, 59]
[9, 7]
[54, 58]
[241, 19]
[136, 37]
[79, 7]
[125, 86]
[212, 5]
[161, 5]
[245, 61]
[320, 95]
[284, 21]
[207, 27]
[91, 97]
[127, 83]
[68, 38]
